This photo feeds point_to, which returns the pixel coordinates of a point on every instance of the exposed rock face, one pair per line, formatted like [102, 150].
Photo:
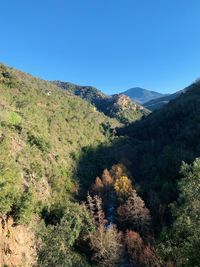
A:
[124, 102]
[118, 106]
[17, 244]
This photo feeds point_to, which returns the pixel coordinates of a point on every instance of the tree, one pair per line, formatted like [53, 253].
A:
[105, 244]
[140, 254]
[134, 215]
[58, 241]
[98, 187]
[181, 242]
[107, 180]
[105, 241]
[103, 185]
[119, 170]
[123, 187]
[10, 177]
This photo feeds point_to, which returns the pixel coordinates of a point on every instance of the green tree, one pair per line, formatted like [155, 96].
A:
[10, 178]
[59, 240]
[181, 242]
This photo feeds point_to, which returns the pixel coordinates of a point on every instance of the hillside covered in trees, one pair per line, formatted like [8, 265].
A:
[118, 106]
[79, 188]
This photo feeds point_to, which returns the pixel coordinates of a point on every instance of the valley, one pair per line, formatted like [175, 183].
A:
[89, 179]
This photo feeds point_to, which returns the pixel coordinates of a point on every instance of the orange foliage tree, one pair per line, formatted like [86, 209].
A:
[141, 254]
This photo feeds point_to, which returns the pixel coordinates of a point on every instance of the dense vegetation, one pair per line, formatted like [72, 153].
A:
[142, 180]
[118, 106]
[171, 136]
[41, 137]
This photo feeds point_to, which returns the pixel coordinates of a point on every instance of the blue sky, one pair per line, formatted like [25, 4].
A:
[111, 44]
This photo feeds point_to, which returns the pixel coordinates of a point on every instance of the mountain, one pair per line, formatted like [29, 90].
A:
[44, 130]
[89, 93]
[141, 95]
[161, 101]
[117, 106]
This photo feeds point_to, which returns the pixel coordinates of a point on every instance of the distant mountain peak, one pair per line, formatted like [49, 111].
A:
[142, 95]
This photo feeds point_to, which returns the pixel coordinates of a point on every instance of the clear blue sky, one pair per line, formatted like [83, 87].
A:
[111, 44]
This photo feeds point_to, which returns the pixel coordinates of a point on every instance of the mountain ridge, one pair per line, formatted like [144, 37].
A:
[117, 106]
[161, 101]
[142, 95]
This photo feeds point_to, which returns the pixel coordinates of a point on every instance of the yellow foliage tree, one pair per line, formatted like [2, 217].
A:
[123, 186]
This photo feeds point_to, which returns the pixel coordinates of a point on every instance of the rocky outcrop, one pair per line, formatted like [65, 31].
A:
[17, 244]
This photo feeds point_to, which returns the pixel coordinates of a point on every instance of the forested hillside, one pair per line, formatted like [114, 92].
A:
[41, 138]
[160, 144]
[117, 106]
[80, 189]
[163, 100]
[161, 153]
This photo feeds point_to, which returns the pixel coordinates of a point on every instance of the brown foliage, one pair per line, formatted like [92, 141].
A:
[140, 254]
[134, 215]
[103, 185]
[105, 241]
[94, 206]
[119, 170]
[107, 179]
[98, 187]
[106, 247]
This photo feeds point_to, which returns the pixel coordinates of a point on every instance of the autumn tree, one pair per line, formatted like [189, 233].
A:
[107, 180]
[105, 244]
[140, 254]
[98, 187]
[123, 187]
[133, 214]
[105, 241]
[103, 185]
[119, 170]
[94, 206]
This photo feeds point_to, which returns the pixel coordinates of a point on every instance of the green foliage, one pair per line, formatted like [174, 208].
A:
[39, 142]
[48, 150]
[10, 178]
[10, 118]
[59, 240]
[124, 111]
[43, 132]
[156, 147]
[25, 207]
[181, 242]
[45, 135]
